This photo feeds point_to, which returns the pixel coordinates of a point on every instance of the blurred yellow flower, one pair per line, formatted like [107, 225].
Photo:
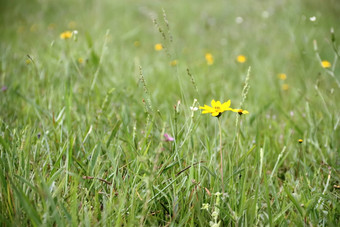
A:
[240, 111]
[174, 63]
[216, 108]
[282, 76]
[300, 140]
[136, 43]
[241, 59]
[28, 61]
[209, 58]
[158, 47]
[326, 64]
[66, 35]
[285, 87]
[80, 60]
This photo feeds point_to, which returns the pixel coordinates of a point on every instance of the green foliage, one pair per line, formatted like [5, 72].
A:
[82, 120]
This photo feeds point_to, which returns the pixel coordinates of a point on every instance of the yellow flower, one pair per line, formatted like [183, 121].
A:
[240, 111]
[241, 59]
[285, 87]
[136, 43]
[66, 35]
[326, 64]
[300, 140]
[174, 63]
[209, 58]
[80, 60]
[28, 61]
[282, 76]
[158, 47]
[216, 108]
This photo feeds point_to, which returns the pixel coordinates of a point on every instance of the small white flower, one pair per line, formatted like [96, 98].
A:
[265, 14]
[205, 206]
[193, 108]
[238, 20]
[214, 214]
[313, 18]
[75, 32]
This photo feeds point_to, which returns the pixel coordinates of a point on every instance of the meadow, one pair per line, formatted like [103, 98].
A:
[101, 119]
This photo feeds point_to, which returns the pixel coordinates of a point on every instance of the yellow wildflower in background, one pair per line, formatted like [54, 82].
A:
[80, 60]
[300, 140]
[158, 47]
[136, 43]
[66, 35]
[282, 76]
[240, 111]
[216, 108]
[285, 87]
[326, 64]
[28, 61]
[174, 63]
[209, 58]
[241, 59]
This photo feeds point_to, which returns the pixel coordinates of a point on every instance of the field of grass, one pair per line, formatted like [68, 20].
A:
[98, 128]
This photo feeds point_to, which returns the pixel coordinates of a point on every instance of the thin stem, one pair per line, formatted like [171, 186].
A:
[221, 153]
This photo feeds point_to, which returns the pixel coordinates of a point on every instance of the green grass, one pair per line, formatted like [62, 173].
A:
[83, 143]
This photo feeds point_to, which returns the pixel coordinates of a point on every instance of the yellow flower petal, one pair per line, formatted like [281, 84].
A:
[215, 114]
[241, 59]
[326, 64]
[226, 105]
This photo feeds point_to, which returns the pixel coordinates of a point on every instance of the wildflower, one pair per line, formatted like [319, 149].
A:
[216, 108]
[174, 63]
[214, 214]
[265, 14]
[285, 87]
[282, 76]
[28, 61]
[136, 43]
[241, 59]
[80, 60]
[238, 20]
[193, 108]
[240, 111]
[66, 35]
[4, 88]
[325, 64]
[168, 138]
[300, 140]
[158, 47]
[312, 18]
[205, 206]
[209, 58]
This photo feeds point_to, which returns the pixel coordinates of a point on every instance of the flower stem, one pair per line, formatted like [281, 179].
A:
[221, 153]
